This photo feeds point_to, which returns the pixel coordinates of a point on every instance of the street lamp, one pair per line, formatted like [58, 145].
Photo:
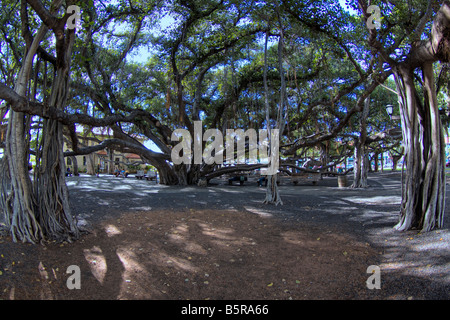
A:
[390, 110]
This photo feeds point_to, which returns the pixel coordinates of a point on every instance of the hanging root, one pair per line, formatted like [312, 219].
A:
[272, 193]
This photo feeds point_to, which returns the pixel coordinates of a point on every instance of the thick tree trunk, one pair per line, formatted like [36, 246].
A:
[423, 199]
[166, 177]
[20, 204]
[180, 172]
[18, 201]
[50, 187]
[40, 210]
[51, 191]
[272, 192]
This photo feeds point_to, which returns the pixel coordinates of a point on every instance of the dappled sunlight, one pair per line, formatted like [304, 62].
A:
[135, 277]
[338, 211]
[123, 187]
[156, 256]
[259, 212]
[149, 191]
[423, 268]
[97, 263]
[292, 237]
[222, 234]
[129, 261]
[298, 238]
[182, 228]
[46, 292]
[12, 293]
[111, 183]
[235, 190]
[412, 254]
[187, 190]
[391, 200]
[188, 242]
[163, 259]
[111, 230]
[102, 202]
[180, 236]
[142, 208]
[370, 217]
[224, 237]
[201, 202]
[398, 266]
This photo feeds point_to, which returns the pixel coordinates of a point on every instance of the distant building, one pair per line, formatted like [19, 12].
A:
[106, 160]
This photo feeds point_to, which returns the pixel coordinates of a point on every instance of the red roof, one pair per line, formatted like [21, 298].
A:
[132, 156]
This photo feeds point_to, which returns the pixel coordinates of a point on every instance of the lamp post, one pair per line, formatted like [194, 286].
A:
[390, 110]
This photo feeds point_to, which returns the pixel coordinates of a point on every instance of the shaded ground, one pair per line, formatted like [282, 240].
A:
[155, 242]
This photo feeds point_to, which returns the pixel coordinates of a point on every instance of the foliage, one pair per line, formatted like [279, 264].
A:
[141, 69]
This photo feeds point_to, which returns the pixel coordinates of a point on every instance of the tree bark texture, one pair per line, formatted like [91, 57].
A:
[39, 210]
[423, 191]
[18, 200]
[423, 198]
[361, 157]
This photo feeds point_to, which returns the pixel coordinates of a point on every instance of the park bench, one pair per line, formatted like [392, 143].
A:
[151, 175]
[237, 177]
[305, 176]
[263, 179]
[140, 174]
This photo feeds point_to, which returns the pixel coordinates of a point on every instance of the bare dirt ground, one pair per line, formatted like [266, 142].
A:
[148, 241]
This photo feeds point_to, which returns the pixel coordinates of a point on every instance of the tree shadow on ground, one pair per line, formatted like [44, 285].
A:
[196, 254]
[154, 242]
